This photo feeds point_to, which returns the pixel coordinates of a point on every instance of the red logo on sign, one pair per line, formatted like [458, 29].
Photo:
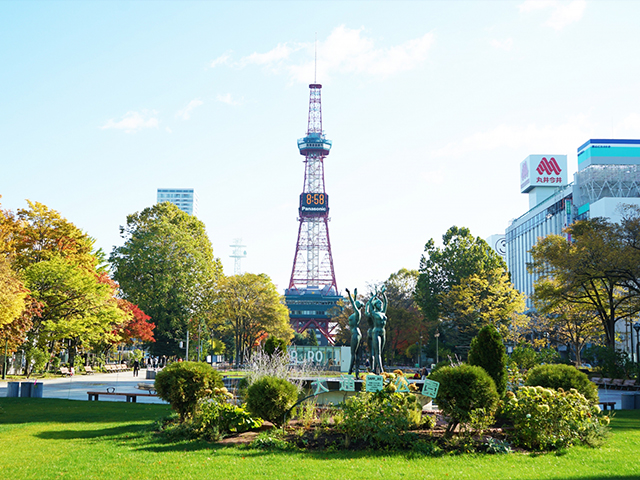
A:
[548, 166]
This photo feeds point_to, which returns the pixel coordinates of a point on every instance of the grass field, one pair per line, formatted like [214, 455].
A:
[48, 438]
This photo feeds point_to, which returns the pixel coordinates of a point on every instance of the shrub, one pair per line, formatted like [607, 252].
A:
[184, 384]
[274, 344]
[382, 418]
[215, 419]
[562, 376]
[548, 419]
[610, 363]
[525, 357]
[270, 398]
[488, 351]
[464, 389]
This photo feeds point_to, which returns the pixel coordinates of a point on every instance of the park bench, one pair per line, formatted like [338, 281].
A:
[88, 370]
[65, 371]
[617, 383]
[131, 396]
[597, 380]
[149, 387]
[608, 405]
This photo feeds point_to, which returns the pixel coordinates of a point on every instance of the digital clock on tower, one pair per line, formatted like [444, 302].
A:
[314, 203]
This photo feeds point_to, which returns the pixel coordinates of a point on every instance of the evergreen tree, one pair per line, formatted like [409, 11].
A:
[487, 351]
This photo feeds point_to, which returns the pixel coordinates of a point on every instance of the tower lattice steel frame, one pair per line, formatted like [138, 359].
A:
[312, 287]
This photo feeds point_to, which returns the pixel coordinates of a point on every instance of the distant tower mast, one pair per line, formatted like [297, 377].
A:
[313, 262]
[238, 255]
[312, 287]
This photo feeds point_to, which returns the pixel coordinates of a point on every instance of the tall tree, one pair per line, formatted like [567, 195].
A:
[39, 233]
[404, 320]
[485, 299]
[250, 307]
[12, 293]
[593, 271]
[163, 267]
[464, 285]
[76, 307]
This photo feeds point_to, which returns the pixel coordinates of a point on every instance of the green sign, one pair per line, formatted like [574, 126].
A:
[430, 388]
[320, 386]
[375, 383]
[347, 383]
[401, 384]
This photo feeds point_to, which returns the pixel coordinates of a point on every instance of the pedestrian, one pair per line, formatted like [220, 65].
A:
[136, 367]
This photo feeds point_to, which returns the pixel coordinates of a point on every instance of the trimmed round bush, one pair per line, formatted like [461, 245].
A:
[463, 389]
[184, 384]
[488, 351]
[562, 376]
[270, 398]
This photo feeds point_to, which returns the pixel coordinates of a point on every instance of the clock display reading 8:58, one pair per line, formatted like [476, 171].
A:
[314, 203]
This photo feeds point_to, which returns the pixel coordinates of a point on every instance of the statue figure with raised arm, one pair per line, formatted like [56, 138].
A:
[377, 311]
[356, 335]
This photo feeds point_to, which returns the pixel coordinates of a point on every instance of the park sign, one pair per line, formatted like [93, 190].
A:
[347, 383]
[375, 383]
[430, 388]
[543, 171]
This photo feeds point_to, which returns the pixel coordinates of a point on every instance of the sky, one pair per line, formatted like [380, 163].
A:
[431, 107]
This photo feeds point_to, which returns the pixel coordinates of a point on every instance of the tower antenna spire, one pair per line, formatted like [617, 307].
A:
[315, 63]
[312, 288]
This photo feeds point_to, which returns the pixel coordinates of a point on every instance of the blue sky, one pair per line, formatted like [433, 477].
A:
[431, 107]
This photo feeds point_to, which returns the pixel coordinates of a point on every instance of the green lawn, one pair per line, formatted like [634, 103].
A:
[46, 438]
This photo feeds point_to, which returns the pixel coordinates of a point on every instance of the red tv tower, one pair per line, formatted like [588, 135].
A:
[312, 289]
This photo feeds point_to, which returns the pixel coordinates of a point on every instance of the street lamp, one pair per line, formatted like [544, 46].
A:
[632, 349]
[437, 334]
[636, 327]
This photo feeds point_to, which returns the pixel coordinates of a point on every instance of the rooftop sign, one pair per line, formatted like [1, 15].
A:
[543, 171]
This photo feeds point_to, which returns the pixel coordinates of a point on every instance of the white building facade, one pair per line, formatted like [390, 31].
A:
[608, 178]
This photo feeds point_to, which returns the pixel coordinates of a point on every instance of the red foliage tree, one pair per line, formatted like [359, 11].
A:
[138, 327]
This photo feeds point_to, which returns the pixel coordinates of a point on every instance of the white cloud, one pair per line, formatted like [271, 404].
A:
[562, 13]
[506, 44]
[133, 121]
[168, 130]
[345, 50]
[228, 99]
[349, 51]
[532, 136]
[221, 60]
[185, 113]
[281, 52]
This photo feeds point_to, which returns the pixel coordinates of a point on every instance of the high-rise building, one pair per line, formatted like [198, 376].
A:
[608, 177]
[185, 199]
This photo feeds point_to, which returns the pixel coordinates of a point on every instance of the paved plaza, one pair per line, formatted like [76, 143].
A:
[77, 386]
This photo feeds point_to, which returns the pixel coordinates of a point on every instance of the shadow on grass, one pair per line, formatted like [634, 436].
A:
[102, 433]
[43, 410]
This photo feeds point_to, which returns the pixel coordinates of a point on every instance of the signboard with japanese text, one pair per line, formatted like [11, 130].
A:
[375, 383]
[430, 388]
[347, 383]
[543, 171]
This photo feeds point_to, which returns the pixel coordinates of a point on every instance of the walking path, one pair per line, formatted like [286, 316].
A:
[77, 386]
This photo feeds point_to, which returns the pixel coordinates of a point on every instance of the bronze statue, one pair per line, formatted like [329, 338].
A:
[356, 335]
[377, 311]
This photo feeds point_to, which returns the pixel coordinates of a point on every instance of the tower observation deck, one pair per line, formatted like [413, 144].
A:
[312, 289]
